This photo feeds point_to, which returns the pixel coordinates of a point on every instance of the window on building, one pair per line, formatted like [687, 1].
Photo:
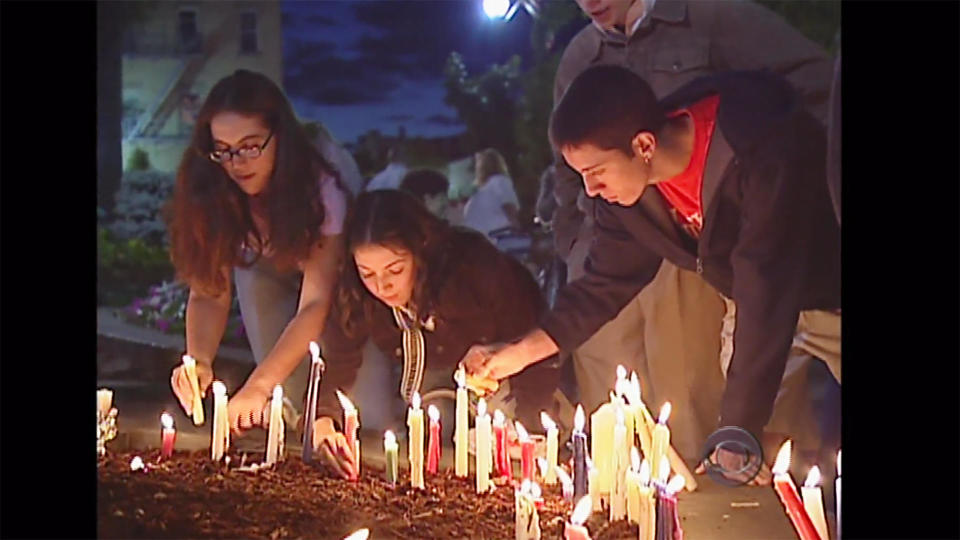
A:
[187, 31]
[248, 33]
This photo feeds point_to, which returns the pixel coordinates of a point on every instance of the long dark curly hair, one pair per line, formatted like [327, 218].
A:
[209, 215]
[397, 220]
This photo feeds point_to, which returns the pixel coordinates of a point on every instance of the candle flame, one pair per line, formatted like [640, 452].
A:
[645, 472]
[361, 534]
[838, 462]
[582, 511]
[542, 465]
[620, 387]
[136, 463]
[634, 459]
[498, 418]
[589, 461]
[563, 476]
[188, 361]
[578, 418]
[676, 484]
[665, 413]
[345, 402]
[389, 438]
[525, 486]
[460, 376]
[415, 402]
[613, 397]
[481, 406]
[535, 490]
[621, 373]
[547, 422]
[521, 432]
[782, 464]
[166, 420]
[813, 478]
[314, 351]
[219, 389]
[664, 469]
[433, 413]
[632, 389]
[635, 382]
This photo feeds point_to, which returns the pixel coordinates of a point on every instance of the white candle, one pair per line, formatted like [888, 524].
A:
[661, 438]
[351, 425]
[618, 465]
[837, 487]
[220, 437]
[462, 427]
[390, 450]
[553, 434]
[104, 401]
[415, 441]
[190, 367]
[275, 432]
[526, 519]
[813, 502]
[482, 447]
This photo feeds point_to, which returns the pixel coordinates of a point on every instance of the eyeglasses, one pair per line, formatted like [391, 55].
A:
[246, 152]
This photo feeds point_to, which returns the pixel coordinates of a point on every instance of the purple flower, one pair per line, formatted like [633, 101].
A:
[163, 324]
[136, 304]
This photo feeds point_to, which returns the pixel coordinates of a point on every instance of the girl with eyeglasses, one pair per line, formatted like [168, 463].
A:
[254, 204]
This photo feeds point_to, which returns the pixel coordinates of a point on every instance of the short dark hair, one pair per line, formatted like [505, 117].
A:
[606, 106]
[424, 182]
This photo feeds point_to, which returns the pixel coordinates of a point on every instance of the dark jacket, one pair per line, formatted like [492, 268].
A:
[769, 239]
[485, 296]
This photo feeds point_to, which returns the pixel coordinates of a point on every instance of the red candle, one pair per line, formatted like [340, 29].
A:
[787, 491]
[433, 446]
[574, 529]
[167, 436]
[526, 452]
[500, 450]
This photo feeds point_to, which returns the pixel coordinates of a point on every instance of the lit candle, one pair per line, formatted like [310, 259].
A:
[501, 454]
[575, 529]
[104, 401]
[566, 482]
[527, 521]
[639, 413]
[787, 491]
[415, 441]
[633, 487]
[526, 452]
[390, 450]
[813, 502]
[647, 516]
[351, 424]
[168, 435]
[623, 387]
[618, 464]
[433, 443]
[275, 432]
[601, 448]
[482, 447]
[462, 428]
[220, 438]
[668, 520]
[579, 455]
[317, 366]
[661, 438]
[644, 425]
[837, 491]
[553, 435]
[190, 367]
[360, 534]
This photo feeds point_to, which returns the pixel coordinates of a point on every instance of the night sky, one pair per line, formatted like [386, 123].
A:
[361, 65]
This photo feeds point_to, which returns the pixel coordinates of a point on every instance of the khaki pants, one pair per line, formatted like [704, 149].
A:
[817, 337]
[670, 335]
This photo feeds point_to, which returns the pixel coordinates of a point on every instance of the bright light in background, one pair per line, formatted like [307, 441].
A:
[496, 9]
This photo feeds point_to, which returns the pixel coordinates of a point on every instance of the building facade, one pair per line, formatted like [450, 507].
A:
[173, 58]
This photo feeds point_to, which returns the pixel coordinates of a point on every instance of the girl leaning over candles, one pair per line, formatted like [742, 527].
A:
[423, 292]
[256, 202]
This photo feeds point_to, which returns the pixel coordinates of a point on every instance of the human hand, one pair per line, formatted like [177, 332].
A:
[331, 445]
[477, 356]
[499, 362]
[181, 384]
[248, 408]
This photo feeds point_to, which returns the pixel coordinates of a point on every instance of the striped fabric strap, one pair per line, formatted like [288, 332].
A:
[413, 352]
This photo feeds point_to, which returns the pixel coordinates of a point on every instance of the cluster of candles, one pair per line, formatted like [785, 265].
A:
[805, 515]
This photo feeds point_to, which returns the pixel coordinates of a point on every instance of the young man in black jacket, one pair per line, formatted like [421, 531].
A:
[724, 177]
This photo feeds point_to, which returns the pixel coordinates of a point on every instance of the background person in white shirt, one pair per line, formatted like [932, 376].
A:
[494, 205]
[391, 176]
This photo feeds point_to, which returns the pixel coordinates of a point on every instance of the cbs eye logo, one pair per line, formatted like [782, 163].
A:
[732, 456]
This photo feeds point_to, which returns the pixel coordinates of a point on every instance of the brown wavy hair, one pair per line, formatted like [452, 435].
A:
[397, 220]
[209, 215]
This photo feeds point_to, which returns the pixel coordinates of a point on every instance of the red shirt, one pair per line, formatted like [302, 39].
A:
[683, 192]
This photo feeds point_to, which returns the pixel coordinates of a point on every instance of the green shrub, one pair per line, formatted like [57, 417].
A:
[128, 267]
[139, 160]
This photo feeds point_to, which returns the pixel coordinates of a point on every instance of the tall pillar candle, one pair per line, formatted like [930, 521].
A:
[415, 441]
[580, 479]
[220, 433]
[553, 443]
[813, 502]
[168, 435]
[190, 368]
[526, 452]
[433, 443]
[661, 438]
[787, 491]
[275, 432]
[482, 447]
[462, 428]
[390, 451]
